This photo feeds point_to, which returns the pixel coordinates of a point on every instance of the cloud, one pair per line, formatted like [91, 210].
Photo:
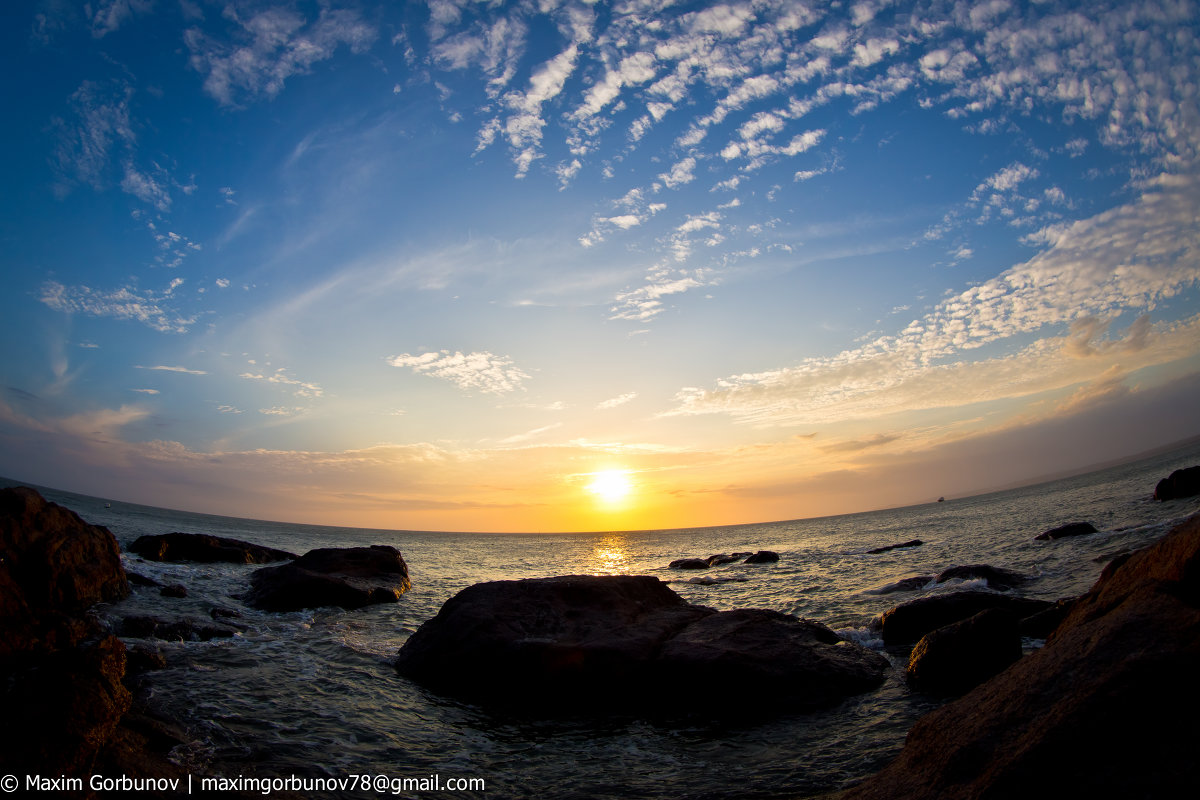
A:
[110, 15]
[619, 400]
[145, 391]
[1131, 258]
[521, 438]
[268, 47]
[184, 370]
[682, 172]
[148, 307]
[484, 371]
[279, 376]
[99, 124]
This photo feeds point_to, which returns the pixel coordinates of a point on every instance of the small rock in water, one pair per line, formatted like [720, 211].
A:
[763, 557]
[688, 563]
[904, 585]
[912, 543]
[910, 621]
[1180, 483]
[997, 578]
[348, 577]
[205, 548]
[1073, 529]
[174, 590]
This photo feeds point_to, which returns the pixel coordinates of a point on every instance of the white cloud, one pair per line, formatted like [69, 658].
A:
[147, 307]
[164, 368]
[304, 389]
[145, 391]
[682, 172]
[484, 371]
[619, 400]
[269, 47]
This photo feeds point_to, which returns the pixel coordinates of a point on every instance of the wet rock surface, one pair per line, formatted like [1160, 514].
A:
[1107, 696]
[957, 657]
[907, 623]
[347, 577]
[571, 643]
[1065, 531]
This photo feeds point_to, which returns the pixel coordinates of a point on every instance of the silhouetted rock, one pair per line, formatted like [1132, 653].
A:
[1107, 696]
[174, 590]
[688, 563]
[997, 578]
[763, 557]
[721, 560]
[1073, 529]
[571, 643]
[1180, 483]
[349, 577]
[60, 675]
[904, 585]
[909, 622]
[185, 629]
[960, 656]
[910, 543]
[204, 548]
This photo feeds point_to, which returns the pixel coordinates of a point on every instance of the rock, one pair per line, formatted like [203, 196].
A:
[61, 676]
[1044, 623]
[688, 563]
[142, 658]
[204, 548]
[350, 577]
[763, 557]
[960, 656]
[572, 643]
[720, 560]
[907, 623]
[910, 543]
[185, 629]
[137, 579]
[796, 662]
[174, 590]
[997, 578]
[1073, 529]
[903, 585]
[1107, 696]
[1180, 483]
[224, 613]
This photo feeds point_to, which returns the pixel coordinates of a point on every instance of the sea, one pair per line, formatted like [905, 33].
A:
[313, 694]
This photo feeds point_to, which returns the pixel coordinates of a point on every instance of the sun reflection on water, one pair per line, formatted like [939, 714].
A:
[610, 556]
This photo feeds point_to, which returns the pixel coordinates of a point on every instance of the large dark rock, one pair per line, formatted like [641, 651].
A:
[205, 548]
[907, 623]
[1180, 483]
[890, 547]
[1101, 711]
[60, 675]
[689, 563]
[350, 577]
[960, 656]
[571, 643]
[763, 557]
[1064, 531]
[996, 577]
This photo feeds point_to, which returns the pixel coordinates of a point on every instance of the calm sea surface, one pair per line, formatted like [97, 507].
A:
[314, 694]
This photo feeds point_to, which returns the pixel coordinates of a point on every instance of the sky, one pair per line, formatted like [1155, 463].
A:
[555, 266]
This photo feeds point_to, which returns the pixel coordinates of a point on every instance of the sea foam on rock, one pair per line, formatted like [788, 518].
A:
[1102, 710]
[584, 642]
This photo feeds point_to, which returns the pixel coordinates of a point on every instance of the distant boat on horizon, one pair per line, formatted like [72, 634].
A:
[941, 499]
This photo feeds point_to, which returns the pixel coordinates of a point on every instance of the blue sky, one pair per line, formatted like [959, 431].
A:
[440, 265]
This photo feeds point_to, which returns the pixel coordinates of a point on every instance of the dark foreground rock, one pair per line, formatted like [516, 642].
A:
[629, 643]
[1180, 483]
[996, 577]
[1065, 531]
[907, 623]
[60, 674]
[890, 547]
[1100, 711]
[349, 577]
[204, 548]
[960, 656]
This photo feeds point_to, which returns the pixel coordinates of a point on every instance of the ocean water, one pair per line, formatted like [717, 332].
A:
[313, 694]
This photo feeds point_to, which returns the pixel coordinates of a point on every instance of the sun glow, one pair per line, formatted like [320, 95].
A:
[611, 485]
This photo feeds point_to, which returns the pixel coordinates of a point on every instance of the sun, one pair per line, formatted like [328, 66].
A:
[611, 485]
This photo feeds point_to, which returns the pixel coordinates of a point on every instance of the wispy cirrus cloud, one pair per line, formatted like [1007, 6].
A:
[165, 368]
[484, 371]
[299, 388]
[619, 400]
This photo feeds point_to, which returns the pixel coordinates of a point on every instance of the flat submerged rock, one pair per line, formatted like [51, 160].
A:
[625, 643]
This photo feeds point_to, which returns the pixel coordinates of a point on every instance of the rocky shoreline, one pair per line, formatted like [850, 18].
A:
[1107, 686]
